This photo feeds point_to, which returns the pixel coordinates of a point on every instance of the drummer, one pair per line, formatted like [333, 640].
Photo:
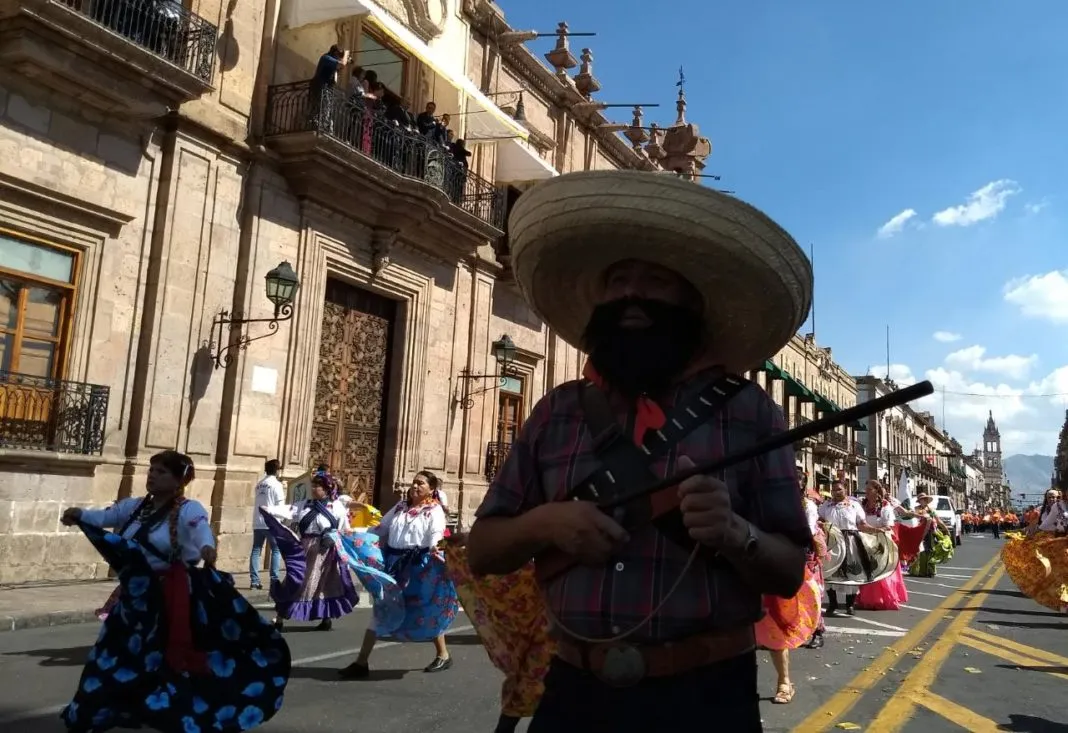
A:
[847, 516]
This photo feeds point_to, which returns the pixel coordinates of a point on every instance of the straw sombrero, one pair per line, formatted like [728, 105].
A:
[566, 231]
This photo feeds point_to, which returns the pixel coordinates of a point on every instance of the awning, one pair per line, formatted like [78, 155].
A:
[297, 13]
[483, 120]
[793, 387]
[517, 162]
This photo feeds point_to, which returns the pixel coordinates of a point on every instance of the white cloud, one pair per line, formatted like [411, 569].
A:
[1041, 296]
[947, 337]
[1037, 206]
[896, 224]
[974, 359]
[1029, 418]
[986, 203]
[900, 373]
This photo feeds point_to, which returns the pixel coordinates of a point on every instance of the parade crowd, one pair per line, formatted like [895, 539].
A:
[624, 571]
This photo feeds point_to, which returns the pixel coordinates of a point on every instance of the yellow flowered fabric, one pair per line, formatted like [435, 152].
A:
[509, 615]
[363, 516]
[1038, 565]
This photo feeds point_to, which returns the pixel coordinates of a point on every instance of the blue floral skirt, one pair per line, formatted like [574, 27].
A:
[424, 603]
[129, 680]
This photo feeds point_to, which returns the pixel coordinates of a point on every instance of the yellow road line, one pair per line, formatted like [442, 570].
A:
[1005, 655]
[898, 710]
[1027, 651]
[841, 702]
[958, 714]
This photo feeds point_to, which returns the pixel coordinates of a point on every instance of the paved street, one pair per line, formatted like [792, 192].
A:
[968, 648]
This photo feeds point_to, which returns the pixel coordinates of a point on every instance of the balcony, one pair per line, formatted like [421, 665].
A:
[858, 453]
[335, 151]
[798, 421]
[38, 414]
[495, 455]
[832, 442]
[132, 58]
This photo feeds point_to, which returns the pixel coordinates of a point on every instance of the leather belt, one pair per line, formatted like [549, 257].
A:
[622, 665]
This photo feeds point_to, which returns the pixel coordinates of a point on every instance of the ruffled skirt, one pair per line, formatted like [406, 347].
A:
[1038, 566]
[423, 603]
[789, 623]
[180, 652]
[884, 595]
[317, 584]
[509, 615]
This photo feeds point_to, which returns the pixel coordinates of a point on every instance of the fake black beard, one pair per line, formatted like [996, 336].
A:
[635, 361]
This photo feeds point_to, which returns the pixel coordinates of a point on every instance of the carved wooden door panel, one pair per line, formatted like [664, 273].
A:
[352, 387]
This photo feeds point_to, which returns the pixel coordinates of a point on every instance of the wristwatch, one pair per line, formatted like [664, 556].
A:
[751, 543]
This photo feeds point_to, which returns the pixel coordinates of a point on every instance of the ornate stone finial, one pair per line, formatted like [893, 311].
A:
[636, 132]
[654, 149]
[561, 58]
[585, 81]
[382, 241]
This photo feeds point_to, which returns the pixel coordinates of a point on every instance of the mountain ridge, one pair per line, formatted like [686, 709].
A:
[1028, 473]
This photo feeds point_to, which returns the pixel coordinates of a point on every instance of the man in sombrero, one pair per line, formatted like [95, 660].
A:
[672, 289]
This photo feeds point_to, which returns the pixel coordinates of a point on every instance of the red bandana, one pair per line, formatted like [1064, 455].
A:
[649, 415]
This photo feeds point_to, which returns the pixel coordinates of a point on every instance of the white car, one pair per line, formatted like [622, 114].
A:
[944, 510]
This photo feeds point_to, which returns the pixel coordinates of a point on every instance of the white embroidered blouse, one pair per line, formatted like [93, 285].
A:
[405, 528]
[194, 529]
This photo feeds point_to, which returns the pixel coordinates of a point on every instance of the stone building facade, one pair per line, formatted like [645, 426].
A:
[149, 181]
[808, 384]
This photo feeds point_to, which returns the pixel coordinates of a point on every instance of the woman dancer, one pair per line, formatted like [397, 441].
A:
[426, 604]
[1037, 560]
[790, 623]
[889, 593]
[937, 544]
[509, 615]
[181, 650]
[317, 587]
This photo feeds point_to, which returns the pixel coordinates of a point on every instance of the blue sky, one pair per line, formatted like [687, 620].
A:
[835, 117]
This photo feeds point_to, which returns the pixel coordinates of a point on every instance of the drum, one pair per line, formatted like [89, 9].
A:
[881, 550]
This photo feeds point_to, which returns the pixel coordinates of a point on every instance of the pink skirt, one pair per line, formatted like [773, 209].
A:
[885, 595]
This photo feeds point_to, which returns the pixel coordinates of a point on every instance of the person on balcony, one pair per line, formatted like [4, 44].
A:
[324, 106]
[426, 122]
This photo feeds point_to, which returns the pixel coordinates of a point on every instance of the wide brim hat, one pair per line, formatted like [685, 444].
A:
[755, 280]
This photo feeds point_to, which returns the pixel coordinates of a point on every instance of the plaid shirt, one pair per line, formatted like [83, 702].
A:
[554, 452]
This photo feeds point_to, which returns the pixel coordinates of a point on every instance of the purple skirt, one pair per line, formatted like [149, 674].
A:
[317, 584]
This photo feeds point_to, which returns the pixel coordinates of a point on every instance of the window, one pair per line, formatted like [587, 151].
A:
[376, 53]
[510, 401]
[37, 289]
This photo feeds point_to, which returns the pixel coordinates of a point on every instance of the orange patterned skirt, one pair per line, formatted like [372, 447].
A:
[789, 623]
[1038, 566]
[508, 613]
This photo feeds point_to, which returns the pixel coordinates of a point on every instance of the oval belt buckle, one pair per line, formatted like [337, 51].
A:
[624, 666]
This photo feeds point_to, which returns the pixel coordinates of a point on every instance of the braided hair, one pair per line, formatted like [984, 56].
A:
[181, 467]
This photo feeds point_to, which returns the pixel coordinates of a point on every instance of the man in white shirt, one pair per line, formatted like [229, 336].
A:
[847, 515]
[269, 492]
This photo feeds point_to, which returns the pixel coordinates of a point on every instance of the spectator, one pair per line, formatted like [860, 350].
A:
[269, 492]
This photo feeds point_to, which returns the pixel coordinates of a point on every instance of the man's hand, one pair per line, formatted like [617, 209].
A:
[583, 531]
[707, 513]
[70, 516]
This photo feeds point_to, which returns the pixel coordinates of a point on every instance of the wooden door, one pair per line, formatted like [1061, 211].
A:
[348, 426]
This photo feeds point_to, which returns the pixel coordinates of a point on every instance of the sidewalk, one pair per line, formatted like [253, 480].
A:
[33, 606]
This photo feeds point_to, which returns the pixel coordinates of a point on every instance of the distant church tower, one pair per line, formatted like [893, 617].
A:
[992, 469]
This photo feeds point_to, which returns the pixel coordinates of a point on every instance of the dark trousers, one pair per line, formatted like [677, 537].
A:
[997, 531]
[723, 695]
[832, 600]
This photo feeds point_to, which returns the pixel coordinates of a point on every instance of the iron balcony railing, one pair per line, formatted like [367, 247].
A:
[495, 455]
[52, 415]
[860, 449]
[298, 107]
[164, 27]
